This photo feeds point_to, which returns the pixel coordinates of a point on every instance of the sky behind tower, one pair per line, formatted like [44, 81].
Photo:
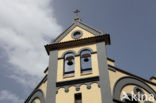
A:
[27, 25]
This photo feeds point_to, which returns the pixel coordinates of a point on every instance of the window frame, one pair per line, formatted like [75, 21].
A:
[78, 96]
[76, 37]
[85, 70]
[70, 73]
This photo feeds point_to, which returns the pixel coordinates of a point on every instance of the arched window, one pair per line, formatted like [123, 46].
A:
[69, 64]
[86, 65]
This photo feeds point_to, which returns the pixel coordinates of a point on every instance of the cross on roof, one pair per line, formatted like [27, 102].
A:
[76, 12]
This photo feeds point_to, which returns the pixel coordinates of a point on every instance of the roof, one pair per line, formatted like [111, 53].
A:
[153, 77]
[113, 68]
[77, 22]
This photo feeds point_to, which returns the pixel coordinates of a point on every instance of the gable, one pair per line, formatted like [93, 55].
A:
[85, 34]
[77, 25]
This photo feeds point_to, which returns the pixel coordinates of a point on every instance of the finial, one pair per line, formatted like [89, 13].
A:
[76, 17]
[76, 12]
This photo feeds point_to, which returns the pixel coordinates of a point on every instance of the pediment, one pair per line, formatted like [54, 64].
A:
[77, 25]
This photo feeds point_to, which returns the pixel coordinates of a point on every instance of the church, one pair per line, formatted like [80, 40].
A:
[80, 71]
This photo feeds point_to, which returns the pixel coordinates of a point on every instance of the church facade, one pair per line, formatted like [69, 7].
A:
[79, 71]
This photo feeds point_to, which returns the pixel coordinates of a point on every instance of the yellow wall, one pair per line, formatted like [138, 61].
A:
[153, 80]
[110, 62]
[84, 35]
[37, 100]
[88, 95]
[92, 95]
[114, 76]
[46, 72]
[43, 87]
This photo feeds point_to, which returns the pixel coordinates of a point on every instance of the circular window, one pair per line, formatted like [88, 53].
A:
[76, 34]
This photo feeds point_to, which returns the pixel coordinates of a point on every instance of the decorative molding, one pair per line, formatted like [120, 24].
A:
[69, 51]
[77, 81]
[42, 81]
[111, 59]
[37, 94]
[128, 80]
[86, 48]
[79, 42]
[77, 86]
[64, 33]
[76, 54]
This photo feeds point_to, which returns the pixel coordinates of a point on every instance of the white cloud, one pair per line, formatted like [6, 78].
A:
[25, 27]
[6, 95]
[27, 81]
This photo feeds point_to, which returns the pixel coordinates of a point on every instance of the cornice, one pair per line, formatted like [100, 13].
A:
[79, 42]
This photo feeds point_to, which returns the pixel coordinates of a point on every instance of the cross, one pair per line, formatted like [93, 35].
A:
[76, 12]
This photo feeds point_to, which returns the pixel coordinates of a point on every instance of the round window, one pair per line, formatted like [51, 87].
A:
[76, 34]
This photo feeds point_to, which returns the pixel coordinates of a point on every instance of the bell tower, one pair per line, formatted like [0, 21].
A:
[78, 69]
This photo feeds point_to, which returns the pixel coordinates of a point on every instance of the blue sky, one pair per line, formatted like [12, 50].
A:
[27, 25]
